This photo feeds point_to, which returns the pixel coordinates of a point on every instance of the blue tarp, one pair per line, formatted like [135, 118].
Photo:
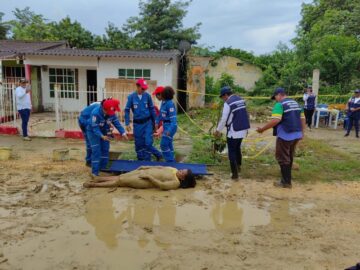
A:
[122, 166]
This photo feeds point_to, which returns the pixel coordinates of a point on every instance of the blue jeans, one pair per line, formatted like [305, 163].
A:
[25, 116]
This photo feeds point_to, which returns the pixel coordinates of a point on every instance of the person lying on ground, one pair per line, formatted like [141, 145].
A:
[165, 178]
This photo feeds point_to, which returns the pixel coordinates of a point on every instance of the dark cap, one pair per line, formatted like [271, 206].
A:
[277, 91]
[23, 80]
[357, 91]
[225, 90]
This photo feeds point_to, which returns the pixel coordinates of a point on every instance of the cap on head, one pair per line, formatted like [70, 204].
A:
[277, 91]
[142, 83]
[225, 91]
[158, 90]
[23, 80]
[111, 106]
[357, 91]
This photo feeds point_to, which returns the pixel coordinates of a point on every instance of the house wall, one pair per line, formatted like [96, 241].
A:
[245, 74]
[162, 71]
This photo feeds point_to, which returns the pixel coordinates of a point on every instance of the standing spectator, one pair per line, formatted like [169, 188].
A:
[236, 120]
[168, 117]
[309, 106]
[353, 113]
[142, 107]
[23, 104]
[288, 123]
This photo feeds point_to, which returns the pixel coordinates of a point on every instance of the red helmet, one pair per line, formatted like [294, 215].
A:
[142, 83]
[158, 90]
[111, 106]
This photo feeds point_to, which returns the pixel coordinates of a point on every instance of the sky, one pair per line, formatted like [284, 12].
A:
[252, 25]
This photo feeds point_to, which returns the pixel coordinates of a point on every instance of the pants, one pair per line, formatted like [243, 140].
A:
[234, 150]
[25, 116]
[353, 121]
[87, 143]
[99, 152]
[285, 151]
[167, 148]
[143, 135]
[308, 116]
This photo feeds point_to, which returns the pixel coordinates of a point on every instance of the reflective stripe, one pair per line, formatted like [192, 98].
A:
[94, 145]
[295, 109]
[239, 108]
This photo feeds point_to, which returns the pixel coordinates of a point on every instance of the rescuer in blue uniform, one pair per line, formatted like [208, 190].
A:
[353, 113]
[289, 124]
[98, 131]
[83, 121]
[236, 120]
[142, 107]
[168, 117]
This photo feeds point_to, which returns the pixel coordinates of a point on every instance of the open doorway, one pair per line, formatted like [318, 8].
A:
[91, 78]
[182, 84]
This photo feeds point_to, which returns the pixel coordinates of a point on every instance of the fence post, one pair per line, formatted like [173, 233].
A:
[315, 83]
[57, 107]
[14, 103]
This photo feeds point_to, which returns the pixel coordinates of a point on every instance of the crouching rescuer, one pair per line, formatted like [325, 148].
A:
[288, 123]
[236, 120]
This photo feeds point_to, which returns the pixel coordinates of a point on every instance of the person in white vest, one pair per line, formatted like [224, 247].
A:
[23, 104]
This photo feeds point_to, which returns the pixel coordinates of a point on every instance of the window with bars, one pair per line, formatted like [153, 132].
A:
[66, 81]
[13, 74]
[130, 73]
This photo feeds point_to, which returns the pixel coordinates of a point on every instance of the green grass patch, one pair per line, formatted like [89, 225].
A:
[318, 160]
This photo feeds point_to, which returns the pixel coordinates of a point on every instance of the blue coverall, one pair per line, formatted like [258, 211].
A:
[168, 116]
[99, 125]
[83, 121]
[143, 122]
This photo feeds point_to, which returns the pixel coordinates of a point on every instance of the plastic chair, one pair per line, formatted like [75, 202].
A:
[324, 115]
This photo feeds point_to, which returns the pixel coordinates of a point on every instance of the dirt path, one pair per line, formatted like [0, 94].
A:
[48, 221]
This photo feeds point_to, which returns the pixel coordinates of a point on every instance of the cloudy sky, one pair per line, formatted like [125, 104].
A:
[253, 25]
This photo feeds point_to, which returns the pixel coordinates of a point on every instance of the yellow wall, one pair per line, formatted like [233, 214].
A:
[245, 74]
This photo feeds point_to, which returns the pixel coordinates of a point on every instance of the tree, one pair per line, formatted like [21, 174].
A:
[29, 26]
[338, 58]
[113, 39]
[72, 32]
[4, 27]
[160, 25]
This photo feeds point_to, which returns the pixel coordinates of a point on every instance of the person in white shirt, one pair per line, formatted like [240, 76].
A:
[235, 118]
[23, 104]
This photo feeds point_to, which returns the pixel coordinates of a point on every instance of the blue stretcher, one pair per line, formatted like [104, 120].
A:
[123, 166]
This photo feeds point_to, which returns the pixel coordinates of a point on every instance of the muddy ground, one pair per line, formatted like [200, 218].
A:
[48, 221]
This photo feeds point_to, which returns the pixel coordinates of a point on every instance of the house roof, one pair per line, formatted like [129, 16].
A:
[109, 54]
[12, 48]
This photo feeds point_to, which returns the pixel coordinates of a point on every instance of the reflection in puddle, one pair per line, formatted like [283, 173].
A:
[110, 216]
[126, 233]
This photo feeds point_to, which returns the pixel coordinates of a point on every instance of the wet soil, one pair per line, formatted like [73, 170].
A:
[49, 221]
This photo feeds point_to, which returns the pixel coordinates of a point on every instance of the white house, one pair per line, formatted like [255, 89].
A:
[82, 76]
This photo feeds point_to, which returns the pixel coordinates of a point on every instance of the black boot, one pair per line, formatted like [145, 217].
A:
[238, 163]
[285, 181]
[288, 177]
[234, 171]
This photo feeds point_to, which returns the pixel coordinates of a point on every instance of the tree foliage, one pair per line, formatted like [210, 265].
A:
[160, 25]
[4, 27]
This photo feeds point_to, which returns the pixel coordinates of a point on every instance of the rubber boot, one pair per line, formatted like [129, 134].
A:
[238, 162]
[285, 181]
[288, 177]
[234, 171]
